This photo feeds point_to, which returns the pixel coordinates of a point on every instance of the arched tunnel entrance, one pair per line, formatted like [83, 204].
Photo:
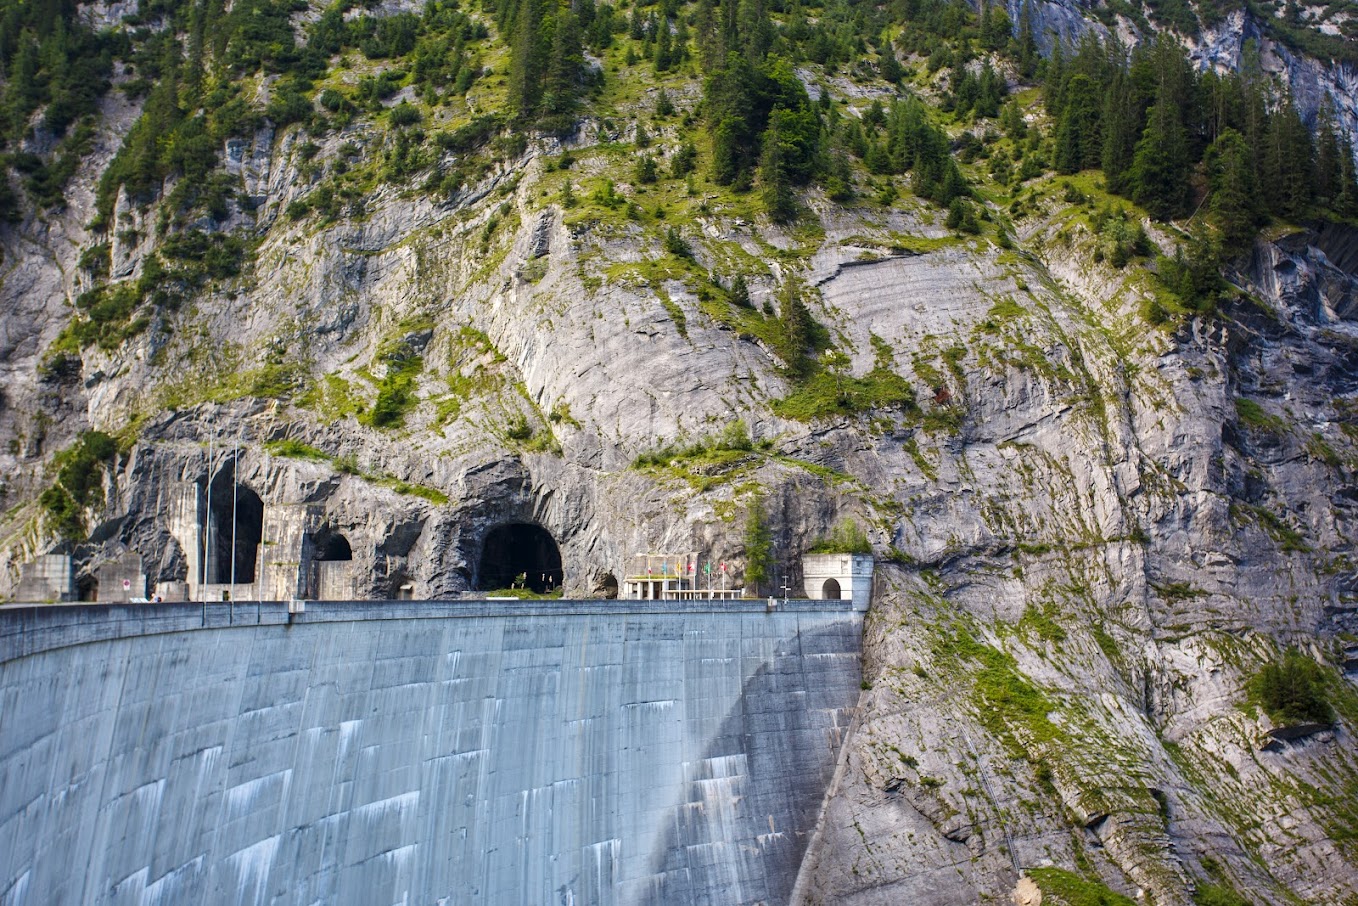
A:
[520, 549]
[331, 575]
[331, 547]
[235, 527]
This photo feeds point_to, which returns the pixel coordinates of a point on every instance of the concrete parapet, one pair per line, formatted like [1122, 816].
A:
[28, 629]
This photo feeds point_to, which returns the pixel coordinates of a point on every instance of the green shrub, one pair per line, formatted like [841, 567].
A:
[1293, 690]
[79, 483]
[823, 395]
[404, 114]
[393, 399]
[295, 449]
[676, 245]
[847, 537]
[735, 436]
[646, 172]
[396, 391]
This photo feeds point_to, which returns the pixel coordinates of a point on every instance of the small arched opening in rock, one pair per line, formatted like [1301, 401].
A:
[332, 546]
[235, 527]
[607, 587]
[400, 587]
[830, 590]
[331, 576]
[520, 549]
[87, 588]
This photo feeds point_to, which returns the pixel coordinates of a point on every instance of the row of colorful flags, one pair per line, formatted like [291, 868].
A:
[665, 568]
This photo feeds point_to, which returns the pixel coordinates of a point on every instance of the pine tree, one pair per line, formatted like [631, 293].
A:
[1253, 107]
[1234, 201]
[728, 151]
[991, 89]
[995, 27]
[1121, 127]
[797, 327]
[528, 59]
[889, 66]
[730, 103]
[1012, 122]
[774, 175]
[1223, 101]
[664, 50]
[756, 28]
[1028, 55]
[1054, 81]
[1288, 162]
[1160, 166]
[710, 51]
[679, 50]
[565, 72]
[647, 171]
[1346, 203]
[739, 293]
[758, 546]
[1077, 136]
[1327, 156]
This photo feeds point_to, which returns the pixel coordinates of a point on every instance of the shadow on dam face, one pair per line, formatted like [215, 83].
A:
[573, 757]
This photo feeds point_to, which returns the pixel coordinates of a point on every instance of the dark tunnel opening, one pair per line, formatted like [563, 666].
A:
[235, 529]
[331, 547]
[520, 549]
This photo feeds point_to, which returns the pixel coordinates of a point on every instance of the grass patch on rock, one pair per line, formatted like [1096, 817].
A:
[1066, 888]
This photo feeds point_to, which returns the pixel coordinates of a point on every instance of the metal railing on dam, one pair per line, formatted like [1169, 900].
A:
[544, 752]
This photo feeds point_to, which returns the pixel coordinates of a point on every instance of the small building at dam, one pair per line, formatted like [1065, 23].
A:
[543, 752]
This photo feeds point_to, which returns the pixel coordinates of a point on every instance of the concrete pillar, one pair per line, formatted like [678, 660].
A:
[185, 520]
[121, 579]
[49, 577]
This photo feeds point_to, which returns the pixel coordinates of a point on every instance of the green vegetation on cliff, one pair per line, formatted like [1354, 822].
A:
[80, 474]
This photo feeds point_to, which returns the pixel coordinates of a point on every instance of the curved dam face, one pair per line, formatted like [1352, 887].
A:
[416, 753]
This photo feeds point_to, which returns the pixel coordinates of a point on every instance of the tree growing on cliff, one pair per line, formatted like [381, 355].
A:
[758, 545]
[1293, 689]
[1234, 202]
[1159, 174]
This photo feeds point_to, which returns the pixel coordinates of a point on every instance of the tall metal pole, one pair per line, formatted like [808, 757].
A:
[235, 485]
[207, 524]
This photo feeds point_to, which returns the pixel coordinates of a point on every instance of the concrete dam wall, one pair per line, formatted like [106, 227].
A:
[561, 753]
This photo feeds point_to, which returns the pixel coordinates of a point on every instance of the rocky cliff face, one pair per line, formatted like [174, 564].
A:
[1095, 527]
[1167, 538]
